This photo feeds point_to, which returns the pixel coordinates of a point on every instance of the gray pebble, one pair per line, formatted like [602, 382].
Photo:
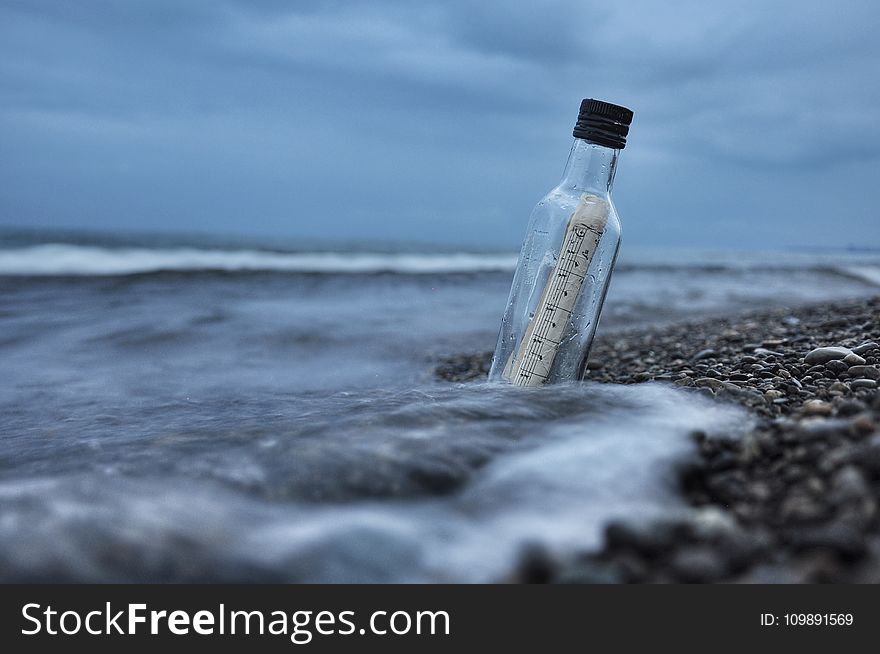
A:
[863, 383]
[825, 354]
[864, 372]
[850, 408]
[817, 408]
[704, 354]
[773, 342]
[853, 359]
[812, 428]
[863, 424]
[865, 347]
[836, 366]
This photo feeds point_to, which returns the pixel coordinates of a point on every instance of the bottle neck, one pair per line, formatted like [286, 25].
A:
[590, 168]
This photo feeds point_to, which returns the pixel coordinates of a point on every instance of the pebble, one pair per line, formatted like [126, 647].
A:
[709, 382]
[850, 408]
[854, 359]
[863, 383]
[864, 372]
[817, 427]
[711, 522]
[836, 366]
[775, 342]
[834, 323]
[704, 354]
[865, 347]
[863, 424]
[817, 408]
[773, 394]
[763, 352]
[825, 354]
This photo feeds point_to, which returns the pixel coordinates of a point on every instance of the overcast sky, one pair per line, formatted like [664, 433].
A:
[756, 123]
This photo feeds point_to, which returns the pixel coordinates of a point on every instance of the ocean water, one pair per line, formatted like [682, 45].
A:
[196, 410]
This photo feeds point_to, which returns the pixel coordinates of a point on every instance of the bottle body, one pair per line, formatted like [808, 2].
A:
[562, 275]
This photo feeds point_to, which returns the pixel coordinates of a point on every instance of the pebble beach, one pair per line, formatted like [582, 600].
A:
[794, 499]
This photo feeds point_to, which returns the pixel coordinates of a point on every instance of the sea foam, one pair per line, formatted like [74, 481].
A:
[64, 259]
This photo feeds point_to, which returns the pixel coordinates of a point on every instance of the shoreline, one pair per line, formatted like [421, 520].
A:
[794, 499]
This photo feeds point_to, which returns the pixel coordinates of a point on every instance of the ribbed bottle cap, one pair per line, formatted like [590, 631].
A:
[603, 123]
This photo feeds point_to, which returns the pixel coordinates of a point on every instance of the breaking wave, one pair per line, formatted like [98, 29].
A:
[64, 259]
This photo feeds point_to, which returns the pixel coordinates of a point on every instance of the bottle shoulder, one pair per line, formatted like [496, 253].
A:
[559, 203]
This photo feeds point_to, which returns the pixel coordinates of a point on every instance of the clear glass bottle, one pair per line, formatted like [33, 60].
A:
[566, 260]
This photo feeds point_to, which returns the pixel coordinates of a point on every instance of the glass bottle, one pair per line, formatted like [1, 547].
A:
[566, 260]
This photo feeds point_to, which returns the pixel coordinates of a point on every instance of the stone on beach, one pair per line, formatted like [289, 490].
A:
[853, 359]
[864, 372]
[836, 366]
[817, 408]
[704, 354]
[825, 354]
[864, 348]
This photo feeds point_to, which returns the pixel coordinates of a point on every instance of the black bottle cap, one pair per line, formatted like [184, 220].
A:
[603, 123]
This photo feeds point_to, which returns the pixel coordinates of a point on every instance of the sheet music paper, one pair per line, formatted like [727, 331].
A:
[533, 361]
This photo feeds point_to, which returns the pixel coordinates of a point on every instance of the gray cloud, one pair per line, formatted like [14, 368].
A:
[434, 120]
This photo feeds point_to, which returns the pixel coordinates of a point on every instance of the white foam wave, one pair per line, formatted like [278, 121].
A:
[62, 259]
[584, 470]
[69, 259]
[870, 274]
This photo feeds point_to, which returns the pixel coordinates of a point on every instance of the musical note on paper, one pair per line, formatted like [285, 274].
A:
[532, 363]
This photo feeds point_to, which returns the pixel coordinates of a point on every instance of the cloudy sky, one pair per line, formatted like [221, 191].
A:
[756, 123]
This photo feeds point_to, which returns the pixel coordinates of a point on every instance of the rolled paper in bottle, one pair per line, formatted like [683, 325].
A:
[532, 362]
